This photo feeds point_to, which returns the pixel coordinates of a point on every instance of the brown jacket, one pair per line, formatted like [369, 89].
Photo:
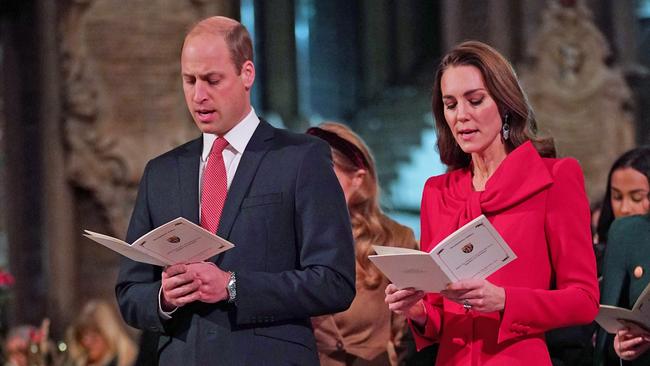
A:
[367, 330]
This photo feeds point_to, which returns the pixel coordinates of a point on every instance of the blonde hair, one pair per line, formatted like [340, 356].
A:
[99, 316]
[369, 224]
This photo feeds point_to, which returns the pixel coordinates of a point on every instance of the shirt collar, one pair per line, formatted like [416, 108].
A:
[237, 137]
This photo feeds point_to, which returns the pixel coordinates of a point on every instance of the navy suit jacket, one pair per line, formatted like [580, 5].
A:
[294, 256]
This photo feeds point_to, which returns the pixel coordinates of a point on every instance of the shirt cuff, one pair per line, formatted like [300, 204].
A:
[165, 315]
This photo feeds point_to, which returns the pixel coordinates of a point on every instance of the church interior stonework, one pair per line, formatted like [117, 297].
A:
[90, 90]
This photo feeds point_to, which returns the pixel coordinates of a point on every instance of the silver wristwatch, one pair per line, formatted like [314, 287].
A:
[232, 288]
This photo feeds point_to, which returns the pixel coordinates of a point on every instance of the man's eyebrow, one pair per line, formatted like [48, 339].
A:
[203, 76]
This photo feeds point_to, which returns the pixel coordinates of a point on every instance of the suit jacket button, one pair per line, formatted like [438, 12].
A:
[638, 272]
[339, 345]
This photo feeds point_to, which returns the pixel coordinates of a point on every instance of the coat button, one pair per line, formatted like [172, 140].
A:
[638, 272]
[339, 345]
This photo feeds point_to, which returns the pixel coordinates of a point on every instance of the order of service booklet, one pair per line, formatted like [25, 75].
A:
[476, 250]
[178, 241]
[610, 317]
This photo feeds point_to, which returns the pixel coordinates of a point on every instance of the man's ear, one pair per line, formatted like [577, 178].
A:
[248, 74]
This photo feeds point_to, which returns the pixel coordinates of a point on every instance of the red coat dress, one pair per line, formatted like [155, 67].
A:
[540, 208]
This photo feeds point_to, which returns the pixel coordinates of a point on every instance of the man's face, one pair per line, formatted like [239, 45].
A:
[217, 95]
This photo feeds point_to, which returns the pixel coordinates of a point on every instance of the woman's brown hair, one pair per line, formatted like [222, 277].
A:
[369, 224]
[501, 82]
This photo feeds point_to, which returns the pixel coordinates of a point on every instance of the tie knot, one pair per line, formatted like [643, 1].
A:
[218, 145]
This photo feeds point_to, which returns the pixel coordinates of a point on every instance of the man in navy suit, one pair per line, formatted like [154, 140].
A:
[284, 211]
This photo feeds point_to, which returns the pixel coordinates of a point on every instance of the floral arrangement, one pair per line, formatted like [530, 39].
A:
[7, 281]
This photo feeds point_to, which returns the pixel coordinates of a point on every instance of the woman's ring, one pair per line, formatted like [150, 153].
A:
[467, 305]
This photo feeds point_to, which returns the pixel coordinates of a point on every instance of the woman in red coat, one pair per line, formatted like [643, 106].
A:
[500, 168]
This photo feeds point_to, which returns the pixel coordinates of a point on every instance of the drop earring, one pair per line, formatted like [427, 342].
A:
[505, 129]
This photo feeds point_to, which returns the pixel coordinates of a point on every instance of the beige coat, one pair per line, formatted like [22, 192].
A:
[367, 329]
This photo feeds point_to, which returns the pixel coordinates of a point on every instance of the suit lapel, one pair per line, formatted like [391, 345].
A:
[257, 147]
[188, 169]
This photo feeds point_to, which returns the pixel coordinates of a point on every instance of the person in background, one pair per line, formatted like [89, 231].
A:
[627, 188]
[627, 253]
[16, 345]
[97, 337]
[367, 332]
[627, 261]
[31, 346]
[499, 167]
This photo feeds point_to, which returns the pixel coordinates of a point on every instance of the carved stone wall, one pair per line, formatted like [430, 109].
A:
[122, 105]
[123, 95]
[123, 99]
[584, 104]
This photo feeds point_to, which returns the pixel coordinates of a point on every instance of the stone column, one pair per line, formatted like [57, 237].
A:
[334, 55]
[375, 46]
[23, 106]
[59, 230]
[279, 60]
[405, 38]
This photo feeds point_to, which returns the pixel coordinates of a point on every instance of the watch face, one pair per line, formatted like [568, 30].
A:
[232, 287]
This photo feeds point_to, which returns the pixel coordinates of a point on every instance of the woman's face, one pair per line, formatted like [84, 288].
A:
[95, 345]
[471, 113]
[629, 192]
[350, 181]
[350, 178]
[345, 179]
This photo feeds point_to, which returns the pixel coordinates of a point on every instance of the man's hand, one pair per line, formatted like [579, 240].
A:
[179, 287]
[213, 281]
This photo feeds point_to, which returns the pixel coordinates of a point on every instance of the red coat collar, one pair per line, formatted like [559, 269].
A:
[520, 175]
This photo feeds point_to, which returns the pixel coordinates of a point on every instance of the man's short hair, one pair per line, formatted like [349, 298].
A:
[233, 32]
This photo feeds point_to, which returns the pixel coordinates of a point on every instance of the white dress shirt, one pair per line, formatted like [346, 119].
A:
[237, 138]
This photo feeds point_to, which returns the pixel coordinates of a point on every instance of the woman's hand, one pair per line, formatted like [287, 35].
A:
[475, 294]
[407, 302]
[631, 342]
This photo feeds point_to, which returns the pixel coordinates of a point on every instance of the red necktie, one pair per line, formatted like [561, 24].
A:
[215, 187]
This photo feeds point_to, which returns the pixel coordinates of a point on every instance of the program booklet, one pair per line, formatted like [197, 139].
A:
[476, 250]
[610, 317]
[178, 241]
